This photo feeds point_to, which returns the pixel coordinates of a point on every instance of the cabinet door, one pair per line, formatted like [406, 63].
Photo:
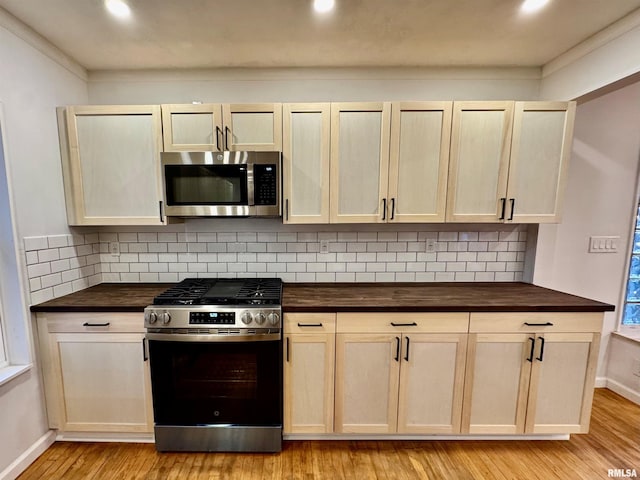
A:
[305, 155]
[253, 127]
[419, 161]
[192, 128]
[562, 382]
[104, 382]
[479, 164]
[496, 383]
[359, 162]
[308, 383]
[431, 383]
[113, 165]
[367, 371]
[540, 152]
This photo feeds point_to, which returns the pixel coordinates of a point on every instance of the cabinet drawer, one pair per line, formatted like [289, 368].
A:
[395, 322]
[309, 323]
[536, 322]
[90, 322]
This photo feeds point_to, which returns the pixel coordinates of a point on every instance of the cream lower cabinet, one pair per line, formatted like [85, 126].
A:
[399, 373]
[530, 373]
[96, 373]
[309, 372]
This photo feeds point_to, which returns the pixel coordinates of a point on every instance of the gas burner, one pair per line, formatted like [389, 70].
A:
[224, 291]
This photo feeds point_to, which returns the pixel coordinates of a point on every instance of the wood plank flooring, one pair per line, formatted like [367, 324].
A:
[613, 443]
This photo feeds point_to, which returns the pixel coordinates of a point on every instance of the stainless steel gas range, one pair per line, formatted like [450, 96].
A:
[215, 352]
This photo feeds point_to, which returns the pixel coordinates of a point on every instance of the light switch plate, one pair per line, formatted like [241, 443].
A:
[604, 244]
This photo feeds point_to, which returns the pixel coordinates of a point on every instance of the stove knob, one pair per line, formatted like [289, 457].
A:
[246, 318]
[166, 317]
[260, 318]
[151, 317]
[273, 318]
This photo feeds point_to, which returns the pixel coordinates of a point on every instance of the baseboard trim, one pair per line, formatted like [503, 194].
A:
[601, 382]
[624, 391]
[21, 463]
[105, 437]
[383, 437]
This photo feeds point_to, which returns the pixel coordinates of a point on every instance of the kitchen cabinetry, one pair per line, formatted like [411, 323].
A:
[530, 373]
[218, 127]
[359, 162]
[111, 164]
[305, 156]
[400, 372]
[540, 152]
[96, 373]
[509, 161]
[309, 372]
[419, 161]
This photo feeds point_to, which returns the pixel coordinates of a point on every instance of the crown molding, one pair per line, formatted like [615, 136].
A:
[596, 41]
[40, 43]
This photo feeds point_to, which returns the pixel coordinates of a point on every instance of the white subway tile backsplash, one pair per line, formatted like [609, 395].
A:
[60, 264]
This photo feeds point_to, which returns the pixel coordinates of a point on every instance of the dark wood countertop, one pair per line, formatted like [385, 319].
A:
[352, 297]
[433, 297]
[106, 297]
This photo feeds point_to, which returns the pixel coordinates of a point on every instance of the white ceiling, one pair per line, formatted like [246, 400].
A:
[286, 33]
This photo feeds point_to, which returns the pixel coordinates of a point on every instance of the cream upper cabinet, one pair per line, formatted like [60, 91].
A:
[192, 127]
[96, 373]
[255, 127]
[400, 372]
[538, 380]
[111, 164]
[419, 161]
[540, 151]
[479, 163]
[309, 372]
[509, 161]
[218, 127]
[305, 152]
[359, 162]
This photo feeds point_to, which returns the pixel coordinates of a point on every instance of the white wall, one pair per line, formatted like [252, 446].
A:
[313, 85]
[600, 200]
[31, 86]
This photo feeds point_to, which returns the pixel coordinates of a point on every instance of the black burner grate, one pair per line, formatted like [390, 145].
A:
[224, 291]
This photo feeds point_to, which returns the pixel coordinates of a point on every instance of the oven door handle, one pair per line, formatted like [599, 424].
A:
[194, 337]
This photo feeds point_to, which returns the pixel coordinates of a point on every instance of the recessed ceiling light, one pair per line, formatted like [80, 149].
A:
[322, 6]
[530, 6]
[118, 8]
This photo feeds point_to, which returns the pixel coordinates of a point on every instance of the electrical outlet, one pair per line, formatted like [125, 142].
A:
[635, 367]
[430, 245]
[114, 249]
[324, 246]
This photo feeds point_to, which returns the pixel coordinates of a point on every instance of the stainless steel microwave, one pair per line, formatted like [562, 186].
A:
[222, 184]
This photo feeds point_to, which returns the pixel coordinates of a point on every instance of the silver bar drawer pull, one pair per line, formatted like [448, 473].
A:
[87, 324]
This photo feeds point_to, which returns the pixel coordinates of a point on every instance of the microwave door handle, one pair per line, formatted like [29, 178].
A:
[250, 185]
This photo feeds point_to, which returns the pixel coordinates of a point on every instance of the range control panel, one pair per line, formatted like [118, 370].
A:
[212, 318]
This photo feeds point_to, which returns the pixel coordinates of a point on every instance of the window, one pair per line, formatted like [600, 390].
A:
[631, 314]
[3, 351]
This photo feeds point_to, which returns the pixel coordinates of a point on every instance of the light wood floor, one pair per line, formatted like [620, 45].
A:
[613, 442]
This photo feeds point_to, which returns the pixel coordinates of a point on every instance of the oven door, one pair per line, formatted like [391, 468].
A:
[216, 383]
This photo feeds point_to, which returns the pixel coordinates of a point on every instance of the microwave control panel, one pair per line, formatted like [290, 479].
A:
[266, 184]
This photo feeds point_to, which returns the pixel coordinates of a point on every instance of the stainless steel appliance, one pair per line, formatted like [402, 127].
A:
[214, 184]
[215, 352]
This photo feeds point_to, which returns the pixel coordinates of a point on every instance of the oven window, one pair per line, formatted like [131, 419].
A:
[196, 383]
[206, 184]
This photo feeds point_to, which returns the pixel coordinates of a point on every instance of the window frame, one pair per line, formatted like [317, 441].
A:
[628, 277]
